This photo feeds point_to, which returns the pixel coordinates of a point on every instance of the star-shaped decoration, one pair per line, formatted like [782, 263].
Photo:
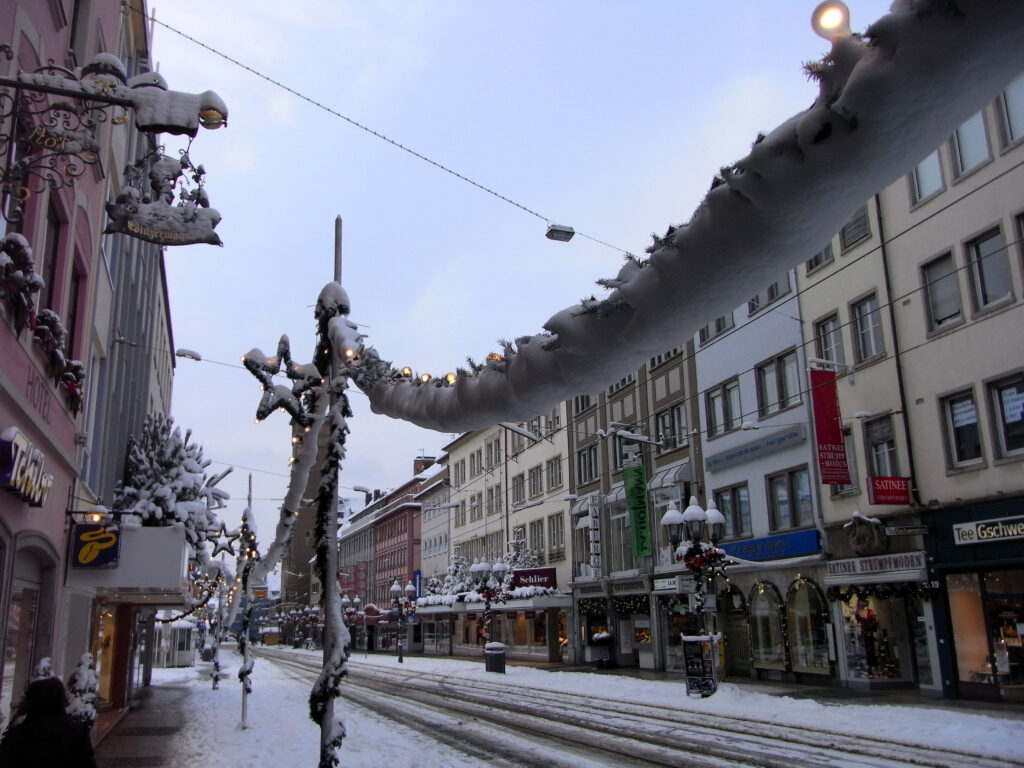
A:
[225, 541]
[279, 396]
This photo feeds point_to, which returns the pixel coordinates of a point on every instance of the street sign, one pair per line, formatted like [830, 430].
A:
[906, 530]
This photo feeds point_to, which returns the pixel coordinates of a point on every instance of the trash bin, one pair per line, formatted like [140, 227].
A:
[494, 657]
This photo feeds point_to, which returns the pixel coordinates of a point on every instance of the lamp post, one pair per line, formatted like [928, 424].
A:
[403, 601]
[702, 529]
[489, 579]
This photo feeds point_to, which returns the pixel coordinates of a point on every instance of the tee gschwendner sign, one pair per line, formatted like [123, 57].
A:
[985, 531]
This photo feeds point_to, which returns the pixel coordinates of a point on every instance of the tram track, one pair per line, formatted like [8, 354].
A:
[519, 726]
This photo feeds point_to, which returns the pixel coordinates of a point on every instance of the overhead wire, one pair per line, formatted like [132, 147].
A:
[355, 123]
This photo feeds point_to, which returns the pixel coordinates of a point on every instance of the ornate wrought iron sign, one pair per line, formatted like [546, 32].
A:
[49, 121]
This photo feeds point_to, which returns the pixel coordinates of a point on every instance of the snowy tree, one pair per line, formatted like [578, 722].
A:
[42, 670]
[458, 579]
[82, 685]
[165, 481]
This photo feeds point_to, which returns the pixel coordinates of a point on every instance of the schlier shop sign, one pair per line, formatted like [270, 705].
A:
[988, 531]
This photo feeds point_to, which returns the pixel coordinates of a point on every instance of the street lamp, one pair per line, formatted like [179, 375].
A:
[402, 601]
[702, 529]
[489, 581]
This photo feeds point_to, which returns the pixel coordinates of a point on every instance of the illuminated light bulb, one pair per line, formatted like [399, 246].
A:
[450, 378]
[406, 371]
[350, 353]
[424, 377]
[494, 356]
[831, 19]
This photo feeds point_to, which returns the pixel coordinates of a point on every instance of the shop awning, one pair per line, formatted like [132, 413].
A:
[581, 506]
[617, 496]
[671, 476]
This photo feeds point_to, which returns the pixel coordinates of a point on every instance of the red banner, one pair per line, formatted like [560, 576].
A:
[888, 490]
[828, 428]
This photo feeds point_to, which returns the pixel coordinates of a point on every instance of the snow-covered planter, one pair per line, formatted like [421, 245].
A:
[601, 638]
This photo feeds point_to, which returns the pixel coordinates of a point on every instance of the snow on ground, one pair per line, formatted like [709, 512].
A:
[216, 715]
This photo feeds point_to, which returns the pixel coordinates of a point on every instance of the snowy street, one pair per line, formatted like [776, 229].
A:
[451, 712]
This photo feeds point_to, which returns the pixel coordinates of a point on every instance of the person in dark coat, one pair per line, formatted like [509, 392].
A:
[45, 736]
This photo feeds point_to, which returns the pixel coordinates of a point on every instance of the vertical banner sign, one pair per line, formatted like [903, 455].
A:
[595, 538]
[828, 430]
[635, 482]
[95, 545]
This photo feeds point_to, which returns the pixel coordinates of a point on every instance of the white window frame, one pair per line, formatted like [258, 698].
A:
[868, 341]
[587, 464]
[723, 408]
[828, 339]
[778, 383]
[941, 284]
[961, 418]
[970, 145]
[926, 178]
[1006, 396]
[990, 270]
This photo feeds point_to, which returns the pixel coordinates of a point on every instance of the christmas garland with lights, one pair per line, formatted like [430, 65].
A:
[881, 591]
[204, 601]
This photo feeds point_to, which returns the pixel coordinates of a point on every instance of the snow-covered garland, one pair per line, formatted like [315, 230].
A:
[309, 401]
[211, 589]
[886, 100]
[881, 591]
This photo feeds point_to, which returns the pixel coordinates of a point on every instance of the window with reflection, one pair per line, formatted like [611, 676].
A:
[766, 635]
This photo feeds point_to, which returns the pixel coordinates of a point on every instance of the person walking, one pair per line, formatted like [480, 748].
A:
[42, 735]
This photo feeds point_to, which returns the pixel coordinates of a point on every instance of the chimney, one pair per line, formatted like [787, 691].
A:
[421, 464]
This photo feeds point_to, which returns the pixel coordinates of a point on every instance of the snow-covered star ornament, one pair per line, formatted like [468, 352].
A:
[225, 541]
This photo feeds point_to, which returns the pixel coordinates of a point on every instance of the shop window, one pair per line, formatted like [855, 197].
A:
[1004, 609]
[766, 632]
[875, 634]
[806, 616]
[968, 619]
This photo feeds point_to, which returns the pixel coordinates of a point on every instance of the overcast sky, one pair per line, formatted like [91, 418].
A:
[610, 117]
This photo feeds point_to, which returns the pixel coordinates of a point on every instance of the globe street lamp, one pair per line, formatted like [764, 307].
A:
[405, 605]
[489, 580]
[702, 529]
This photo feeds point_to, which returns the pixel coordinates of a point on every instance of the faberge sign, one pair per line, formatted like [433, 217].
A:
[21, 468]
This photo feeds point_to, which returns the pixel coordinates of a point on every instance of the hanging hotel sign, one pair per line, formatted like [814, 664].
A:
[888, 490]
[95, 545]
[828, 428]
[989, 531]
[634, 481]
[152, 217]
[21, 468]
